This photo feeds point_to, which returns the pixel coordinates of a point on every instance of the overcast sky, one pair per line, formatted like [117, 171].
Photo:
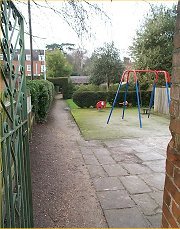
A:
[126, 17]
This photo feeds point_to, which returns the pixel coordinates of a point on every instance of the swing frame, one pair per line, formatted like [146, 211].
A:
[156, 77]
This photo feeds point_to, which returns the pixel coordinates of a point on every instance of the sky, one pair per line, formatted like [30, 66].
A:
[126, 17]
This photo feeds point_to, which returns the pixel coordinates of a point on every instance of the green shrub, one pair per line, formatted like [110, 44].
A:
[131, 97]
[114, 87]
[111, 96]
[85, 99]
[101, 95]
[90, 87]
[61, 83]
[33, 87]
[42, 93]
[71, 89]
[145, 95]
[88, 98]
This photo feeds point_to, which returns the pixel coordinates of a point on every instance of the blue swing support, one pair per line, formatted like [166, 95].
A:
[125, 78]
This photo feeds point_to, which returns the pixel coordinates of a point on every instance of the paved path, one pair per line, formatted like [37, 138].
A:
[127, 176]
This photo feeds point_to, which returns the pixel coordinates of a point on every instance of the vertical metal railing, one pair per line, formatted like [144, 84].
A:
[15, 183]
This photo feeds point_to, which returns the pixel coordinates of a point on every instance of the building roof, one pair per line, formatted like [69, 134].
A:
[128, 63]
[36, 53]
[80, 79]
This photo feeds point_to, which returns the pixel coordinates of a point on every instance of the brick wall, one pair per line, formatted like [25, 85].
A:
[171, 199]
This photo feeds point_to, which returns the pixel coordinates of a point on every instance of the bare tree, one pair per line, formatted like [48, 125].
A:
[76, 14]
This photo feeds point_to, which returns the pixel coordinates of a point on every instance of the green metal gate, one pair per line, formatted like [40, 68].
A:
[15, 179]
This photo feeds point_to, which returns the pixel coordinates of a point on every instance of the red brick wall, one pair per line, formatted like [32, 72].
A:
[171, 199]
[36, 70]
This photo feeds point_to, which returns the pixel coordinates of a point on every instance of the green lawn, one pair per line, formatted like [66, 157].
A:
[92, 123]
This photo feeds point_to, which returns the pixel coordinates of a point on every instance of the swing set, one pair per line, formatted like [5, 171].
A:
[127, 73]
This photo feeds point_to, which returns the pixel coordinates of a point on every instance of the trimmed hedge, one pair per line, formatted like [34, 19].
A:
[131, 97]
[42, 94]
[61, 83]
[90, 98]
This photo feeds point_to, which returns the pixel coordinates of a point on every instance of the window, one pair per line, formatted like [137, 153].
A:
[41, 57]
[28, 57]
[1, 56]
[43, 68]
[28, 68]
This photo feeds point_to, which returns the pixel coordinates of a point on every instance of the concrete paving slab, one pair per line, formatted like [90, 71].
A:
[125, 218]
[130, 142]
[90, 160]
[96, 171]
[156, 141]
[161, 150]
[134, 184]
[141, 148]
[86, 150]
[158, 197]
[105, 160]
[151, 156]
[115, 170]
[115, 199]
[114, 143]
[107, 183]
[126, 157]
[135, 168]
[122, 150]
[155, 180]
[101, 151]
[149, 141]
[146, 203]
[155, 220]
[92, 143]
[156, 166]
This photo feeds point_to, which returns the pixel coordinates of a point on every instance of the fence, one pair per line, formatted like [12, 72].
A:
[161, 101]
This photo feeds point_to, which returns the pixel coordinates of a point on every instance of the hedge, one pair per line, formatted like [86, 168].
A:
[61, 83]
[131, 97]
[42, 93]
[90, 98]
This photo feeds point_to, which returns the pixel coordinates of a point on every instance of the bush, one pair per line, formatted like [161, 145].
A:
[42, 93]
[131, 87]
[131, 97]
[71, 89]
[61, 83]
[33, 87]
[111, 96]
[101, 95]
[91, 87]
[85, 99]
[113, 87]
[88, 98]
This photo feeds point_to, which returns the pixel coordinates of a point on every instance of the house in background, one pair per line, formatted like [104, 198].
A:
[127, 63]
[38, 62]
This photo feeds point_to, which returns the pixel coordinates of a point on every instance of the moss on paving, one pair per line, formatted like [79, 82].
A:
[92, 124]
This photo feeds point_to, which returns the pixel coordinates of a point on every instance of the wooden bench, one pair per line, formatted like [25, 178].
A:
[146, 110]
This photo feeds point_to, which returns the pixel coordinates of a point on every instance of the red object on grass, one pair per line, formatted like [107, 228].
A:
[101, 105]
